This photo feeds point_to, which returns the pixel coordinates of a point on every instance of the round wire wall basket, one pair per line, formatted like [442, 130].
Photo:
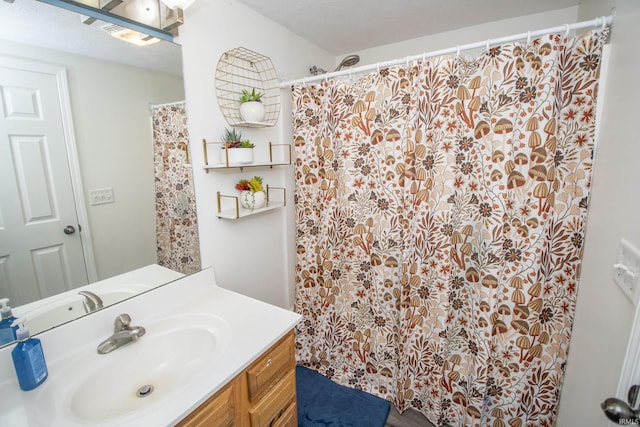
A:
[242, 69]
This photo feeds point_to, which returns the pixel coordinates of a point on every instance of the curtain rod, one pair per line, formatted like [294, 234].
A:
[602, 21]
[168, 104]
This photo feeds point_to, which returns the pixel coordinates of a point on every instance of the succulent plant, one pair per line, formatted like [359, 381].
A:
[231, 135]
[250, 96]
[254, 184]
[233, 139]
[238, 144]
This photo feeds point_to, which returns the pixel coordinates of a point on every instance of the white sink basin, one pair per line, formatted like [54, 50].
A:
[135, 378]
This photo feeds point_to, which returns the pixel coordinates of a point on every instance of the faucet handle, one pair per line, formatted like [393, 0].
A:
[633, 394]
[122, 322]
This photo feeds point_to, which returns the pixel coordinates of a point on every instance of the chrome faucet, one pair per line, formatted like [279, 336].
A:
[91, 301]
[123, 334]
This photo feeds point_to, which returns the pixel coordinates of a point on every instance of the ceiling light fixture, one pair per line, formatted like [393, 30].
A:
[129, 35]
[182, 4]
[161, 23]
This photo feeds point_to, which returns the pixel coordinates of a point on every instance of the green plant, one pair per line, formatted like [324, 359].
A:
[254, 184]
[238, 144]
[231, 135]
[251, 96]
[246, 144]
[233, 139]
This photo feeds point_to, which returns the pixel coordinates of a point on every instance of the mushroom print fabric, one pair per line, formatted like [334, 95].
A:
[441, 215]
[177, 242]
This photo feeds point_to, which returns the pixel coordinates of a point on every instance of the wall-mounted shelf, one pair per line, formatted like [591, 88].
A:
[243, 69]
[253, 124]
[237, 211]
[286, 158]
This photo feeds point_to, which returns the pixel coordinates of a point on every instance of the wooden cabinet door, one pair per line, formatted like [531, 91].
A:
[217, 411]
[289, 417]
[273, 405]
[263, 395]
[265, 372]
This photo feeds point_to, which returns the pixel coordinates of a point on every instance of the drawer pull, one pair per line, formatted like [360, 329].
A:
[269, 362]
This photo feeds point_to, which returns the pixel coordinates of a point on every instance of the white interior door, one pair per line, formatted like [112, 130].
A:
[41, 251]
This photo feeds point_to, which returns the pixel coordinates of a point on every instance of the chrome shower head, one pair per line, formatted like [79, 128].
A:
[316, 71]
[348, 61]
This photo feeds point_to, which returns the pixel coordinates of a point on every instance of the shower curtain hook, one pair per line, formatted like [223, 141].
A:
[350, 78]
[304, 81]
[528, 37]
[378, 67]
[566, 34]
[458, 51]
[604, 23]
[424, 57]
[488, 43]
[407, 62]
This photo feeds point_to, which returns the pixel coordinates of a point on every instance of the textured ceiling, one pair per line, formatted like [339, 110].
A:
[347, 26]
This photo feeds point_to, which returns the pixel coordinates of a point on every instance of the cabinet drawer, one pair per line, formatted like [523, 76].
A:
[275, 402]
[267, 370]
[289, 417]
[217, 411]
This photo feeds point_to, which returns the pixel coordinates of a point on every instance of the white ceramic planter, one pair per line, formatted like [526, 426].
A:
[252, 200]
[238, 155]
[252, 112]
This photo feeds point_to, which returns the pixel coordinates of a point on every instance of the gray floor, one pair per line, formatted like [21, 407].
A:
[410, 418]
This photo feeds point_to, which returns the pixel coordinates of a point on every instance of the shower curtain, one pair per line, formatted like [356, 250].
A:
[177, 242]
[441, 213]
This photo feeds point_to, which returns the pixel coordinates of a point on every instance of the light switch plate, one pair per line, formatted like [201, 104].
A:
[626, 270]
[100, 196]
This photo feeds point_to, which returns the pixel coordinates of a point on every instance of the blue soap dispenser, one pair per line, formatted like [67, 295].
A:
[28, 358]
[7, 331]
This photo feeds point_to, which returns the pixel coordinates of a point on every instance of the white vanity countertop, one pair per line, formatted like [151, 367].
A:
[140, 279]
[251, 328]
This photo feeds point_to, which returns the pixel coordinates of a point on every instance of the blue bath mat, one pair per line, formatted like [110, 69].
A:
[321, 402]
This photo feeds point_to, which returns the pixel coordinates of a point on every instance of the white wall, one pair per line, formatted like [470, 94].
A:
[253, 255]
[467, 35]
[110, 108]
[603, 314]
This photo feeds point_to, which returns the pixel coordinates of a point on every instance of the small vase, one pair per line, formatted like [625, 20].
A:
[252, 112]
[252, 199]
[238, 155]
